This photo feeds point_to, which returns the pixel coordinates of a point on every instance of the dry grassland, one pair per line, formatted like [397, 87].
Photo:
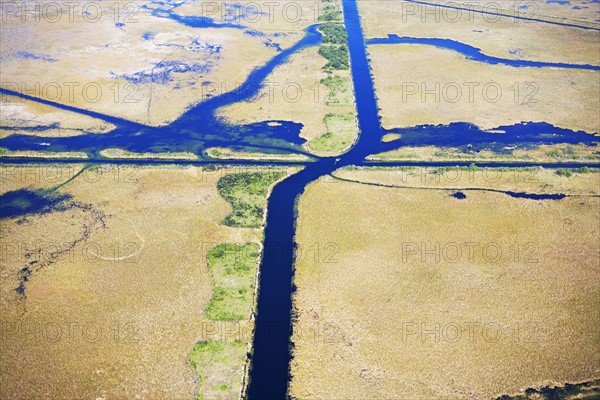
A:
[120, 153]
[114, 304]
[579, 11]
[405, 324]
[224, 153]
[18, 116]
[104, 55]
[564, 98]
[528, 180]
[544, 153]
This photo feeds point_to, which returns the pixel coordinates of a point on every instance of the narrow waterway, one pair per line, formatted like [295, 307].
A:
[475, 53]
[269, 374]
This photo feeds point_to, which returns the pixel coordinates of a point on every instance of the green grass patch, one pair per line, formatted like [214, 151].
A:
[341, 129]
[232, 268]
[247, 194]
[338, 90]
[333, 47]
[220, 368]
[584, 391]
[566, 153]
[331, 12]
[334, 33]
[566, 172]
[584, 170]
[336, 56]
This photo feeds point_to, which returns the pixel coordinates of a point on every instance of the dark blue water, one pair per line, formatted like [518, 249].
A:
[23, 202]
[253, 163]
[198, 128]
[474, 53]
[536, 196]
[460, 195]
[269, 374]
[516, 195]
[469, 137]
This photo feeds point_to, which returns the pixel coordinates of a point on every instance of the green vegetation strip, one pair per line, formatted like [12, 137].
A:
[247, 194]
[220, 366]
[339, 135]
[570, 172]
[334, 48]
[232, 269]
[581, 391]
[338, 90]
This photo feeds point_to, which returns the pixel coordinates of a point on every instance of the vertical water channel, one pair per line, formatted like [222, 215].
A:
[269, 373]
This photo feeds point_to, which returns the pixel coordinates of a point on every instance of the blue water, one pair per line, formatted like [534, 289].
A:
[199, 129]
[28, 55]
[516, 195]
[474, 53]
[168, 10]
[469, 137]
[460, 195]
[23, 202]
[560, 2]
[269, 375]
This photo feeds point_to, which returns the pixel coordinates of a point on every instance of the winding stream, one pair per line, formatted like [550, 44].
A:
[474, 53]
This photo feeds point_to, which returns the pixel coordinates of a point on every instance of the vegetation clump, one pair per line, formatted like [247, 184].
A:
[247, 194]
[331, 12]
[337, 57]
[337, 87]
[586, 390]
[219, 366]
[567, 173]
[339, 135]
[232, 269]
[334, 33]
[334, 48]
[565, 153]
